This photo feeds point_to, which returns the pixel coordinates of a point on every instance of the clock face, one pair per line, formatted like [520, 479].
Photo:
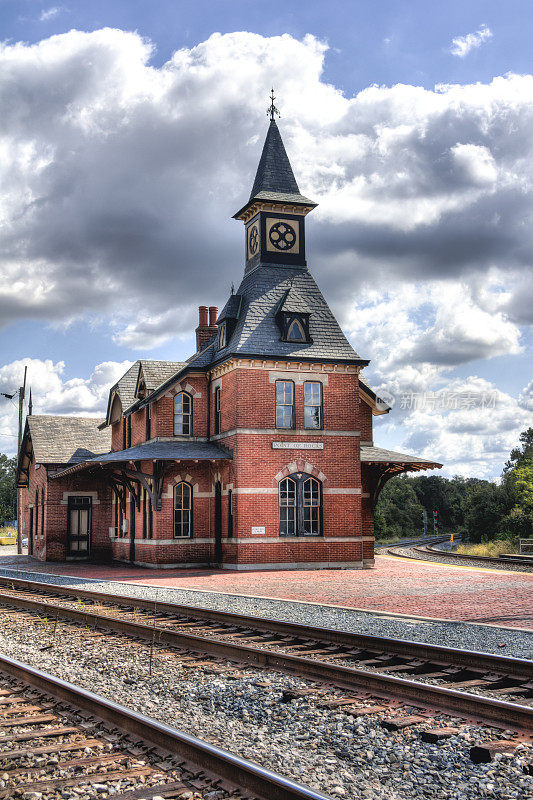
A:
[282, 236]
[253, 240]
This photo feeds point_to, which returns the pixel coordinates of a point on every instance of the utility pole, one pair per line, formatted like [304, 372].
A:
[22, 392]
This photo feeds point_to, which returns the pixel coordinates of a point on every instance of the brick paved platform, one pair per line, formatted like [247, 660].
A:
[395, 585]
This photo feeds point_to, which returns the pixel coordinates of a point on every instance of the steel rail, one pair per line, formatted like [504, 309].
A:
[510, 666]
[245, 775]
[392, 551]
[500, 713]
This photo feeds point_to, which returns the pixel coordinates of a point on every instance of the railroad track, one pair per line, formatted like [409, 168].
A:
[426, 676]
[55, 736]
[428, 549]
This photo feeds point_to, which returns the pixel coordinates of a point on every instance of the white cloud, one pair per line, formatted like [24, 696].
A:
[119, 179]
[52, 393]
[462, 45]
[525, 398]
[49, 13]
[469, 425]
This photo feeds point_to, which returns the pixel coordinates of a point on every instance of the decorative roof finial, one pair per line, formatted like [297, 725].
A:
[30, 406]
[272, 110]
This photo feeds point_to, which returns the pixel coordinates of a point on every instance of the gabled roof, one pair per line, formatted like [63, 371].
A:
[256, 332]
[124, 388]
[154, 373]
[61, 440]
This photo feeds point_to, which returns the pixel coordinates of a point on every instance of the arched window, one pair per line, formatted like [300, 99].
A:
[287, 507]
[183, 414]
[295, 332]
[182, 511]
[312, 507]
[300, 506]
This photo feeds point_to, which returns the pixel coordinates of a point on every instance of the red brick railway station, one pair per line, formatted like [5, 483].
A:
[257, 451]
[396, 586]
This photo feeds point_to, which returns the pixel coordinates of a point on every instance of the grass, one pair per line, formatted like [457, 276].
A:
[9, 531]
[494, 548]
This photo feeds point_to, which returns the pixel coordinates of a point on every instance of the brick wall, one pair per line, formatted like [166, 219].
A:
[365, 421]
[248, 415]
[53, 545]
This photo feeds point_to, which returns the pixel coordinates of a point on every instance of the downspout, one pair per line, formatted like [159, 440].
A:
[208, 438]
[209, 381]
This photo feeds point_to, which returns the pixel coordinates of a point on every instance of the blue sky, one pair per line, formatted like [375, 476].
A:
[125, 162]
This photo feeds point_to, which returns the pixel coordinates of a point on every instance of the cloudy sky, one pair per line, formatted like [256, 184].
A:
[130, 133]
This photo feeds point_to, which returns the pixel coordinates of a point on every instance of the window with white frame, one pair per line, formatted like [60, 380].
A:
[183, 414]
[182, 511]
[313, 417]
[284, 404]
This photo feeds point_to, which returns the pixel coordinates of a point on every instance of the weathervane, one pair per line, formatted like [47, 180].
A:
[272, 110]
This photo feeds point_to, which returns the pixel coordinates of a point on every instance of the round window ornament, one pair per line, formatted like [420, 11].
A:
[282, 236]
[253, 240]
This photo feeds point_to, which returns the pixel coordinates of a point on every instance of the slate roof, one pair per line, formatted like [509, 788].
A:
[67, 440]
[162, 451]
[294, 302]
[125, 386]
[156, 372]
[204, 357]
[370, 454]
[257, 333]
[274, 179]
[232, 308]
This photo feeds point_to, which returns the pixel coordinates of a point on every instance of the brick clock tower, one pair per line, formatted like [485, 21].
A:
[255, 453]
[290, 382]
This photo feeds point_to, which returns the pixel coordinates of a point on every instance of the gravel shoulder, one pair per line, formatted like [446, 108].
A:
[452, 633]
[251, 713]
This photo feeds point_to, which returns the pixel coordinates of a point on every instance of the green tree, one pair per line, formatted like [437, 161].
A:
[519, 455]
[486, 506]
[7, 488]
[398, 512]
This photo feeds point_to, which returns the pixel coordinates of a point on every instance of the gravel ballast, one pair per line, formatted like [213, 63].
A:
[251, 713]
[449, 633]
[418, 553]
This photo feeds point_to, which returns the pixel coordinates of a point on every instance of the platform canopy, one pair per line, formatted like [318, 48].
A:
[122, 470]
[379, 465]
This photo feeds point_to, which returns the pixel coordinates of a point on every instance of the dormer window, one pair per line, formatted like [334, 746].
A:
[295, 332]
[221, 335]
[294, 327]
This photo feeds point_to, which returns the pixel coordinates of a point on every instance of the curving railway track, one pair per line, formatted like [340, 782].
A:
[497, 690]
[425, 548]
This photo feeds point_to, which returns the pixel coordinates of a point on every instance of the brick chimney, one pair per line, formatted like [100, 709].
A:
[206, 329]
